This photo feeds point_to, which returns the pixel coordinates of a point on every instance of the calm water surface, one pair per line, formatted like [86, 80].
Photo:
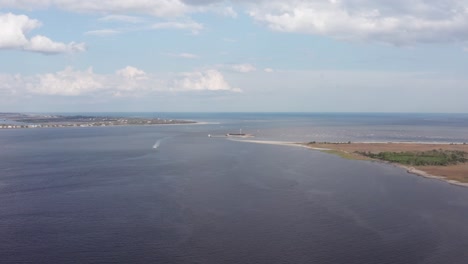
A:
[104, 195]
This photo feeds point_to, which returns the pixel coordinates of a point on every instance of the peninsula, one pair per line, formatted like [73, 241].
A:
[21, 120]
[442, 161]
[447, 162]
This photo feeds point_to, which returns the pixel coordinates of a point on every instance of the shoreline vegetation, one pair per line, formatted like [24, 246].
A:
[441, 161]
[24, 121]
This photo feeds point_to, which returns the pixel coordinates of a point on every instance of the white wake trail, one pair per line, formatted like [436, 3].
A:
[156, 145]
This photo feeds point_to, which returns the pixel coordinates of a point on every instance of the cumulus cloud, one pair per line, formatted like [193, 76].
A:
[209, 80]
[131, 81]
[14, 28]
[14, 36]
[128, 81]
[398, 22]
[192, 26]
[268, 70]
[130, 72]
[395, 22]
[72, 82]
[68, 82]
[45, 45]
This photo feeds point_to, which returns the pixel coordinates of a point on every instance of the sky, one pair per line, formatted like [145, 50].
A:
[234, 56]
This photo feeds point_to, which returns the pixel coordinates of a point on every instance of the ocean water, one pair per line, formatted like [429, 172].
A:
[170, 194]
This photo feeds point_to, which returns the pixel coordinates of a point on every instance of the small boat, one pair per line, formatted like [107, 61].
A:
[240, 134]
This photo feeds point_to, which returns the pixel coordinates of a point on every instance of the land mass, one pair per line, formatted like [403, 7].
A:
[453, 170]
[20, 120]
[442, 161]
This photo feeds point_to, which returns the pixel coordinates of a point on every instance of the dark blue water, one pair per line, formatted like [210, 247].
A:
[104, 195]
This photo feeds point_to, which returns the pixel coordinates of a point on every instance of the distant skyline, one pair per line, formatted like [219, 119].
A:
[234, 56]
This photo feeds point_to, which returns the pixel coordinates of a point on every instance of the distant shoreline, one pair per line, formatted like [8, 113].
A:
[452, 174]
[32, 121]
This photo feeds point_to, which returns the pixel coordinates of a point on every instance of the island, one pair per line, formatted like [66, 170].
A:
[21, 120]
[444, 161]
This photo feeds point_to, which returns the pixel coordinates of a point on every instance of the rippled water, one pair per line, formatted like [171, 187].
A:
[89, 195]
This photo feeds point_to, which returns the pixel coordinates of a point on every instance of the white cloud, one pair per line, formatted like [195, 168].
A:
[240, 68]
[227, 11]
[119, 8]
[71, 82]
[14, 28]
[68, 82]
[130, 72]
[192, 26]
[398, 22]
[268, 70]
[395, 22]
[243, 68]
[45, 45]
[184, 55]
[129, 81]
[14, 36]
[25, 4]
[357, 91]
[121, 18]
[209, 80]
[9, 84]
[160, 8]
[102, 32]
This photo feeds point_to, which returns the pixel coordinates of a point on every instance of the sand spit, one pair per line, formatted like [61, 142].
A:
[279, 143]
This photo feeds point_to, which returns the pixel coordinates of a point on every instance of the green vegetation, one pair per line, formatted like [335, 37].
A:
[344, 154]
[422, 158]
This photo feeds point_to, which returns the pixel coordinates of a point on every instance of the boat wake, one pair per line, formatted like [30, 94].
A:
[156, 145]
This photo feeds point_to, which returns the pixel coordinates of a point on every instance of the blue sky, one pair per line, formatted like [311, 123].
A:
[210, 55]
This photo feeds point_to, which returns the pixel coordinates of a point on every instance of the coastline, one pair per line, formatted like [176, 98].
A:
[424, 174]
[32, 121]
[419, 171]
[87, 126]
